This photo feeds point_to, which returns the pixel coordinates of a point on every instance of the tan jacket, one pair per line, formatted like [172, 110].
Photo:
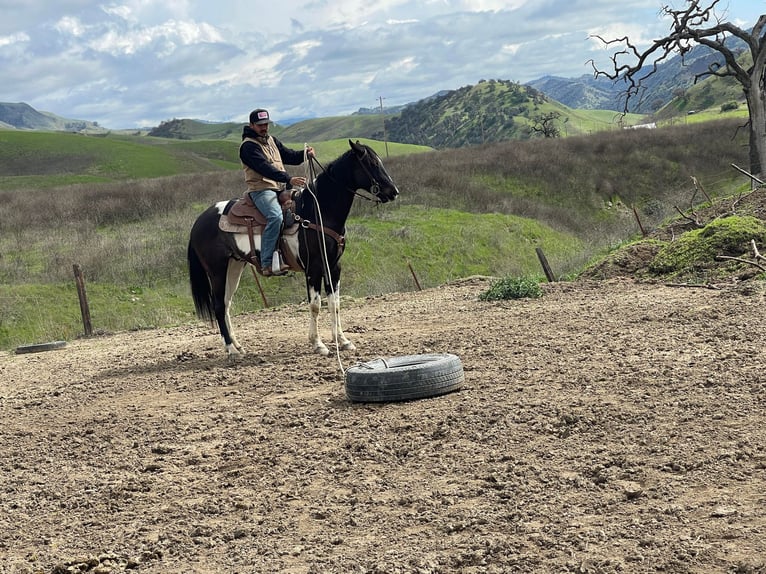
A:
[254, 180]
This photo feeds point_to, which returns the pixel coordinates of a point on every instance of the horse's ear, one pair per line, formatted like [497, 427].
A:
[355, 146]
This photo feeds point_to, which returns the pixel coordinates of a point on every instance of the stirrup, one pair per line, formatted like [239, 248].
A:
[268, 272]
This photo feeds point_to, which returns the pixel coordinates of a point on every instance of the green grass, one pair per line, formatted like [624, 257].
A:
[142, 288]
[443, 244]
[31, 314]
[696, 250]
[34, 160]
[477, 210]
[45, 159]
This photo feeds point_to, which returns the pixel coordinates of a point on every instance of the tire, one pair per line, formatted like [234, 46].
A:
[40, 347]
[404, 378]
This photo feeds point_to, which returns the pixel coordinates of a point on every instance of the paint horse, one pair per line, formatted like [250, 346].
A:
[313, 245]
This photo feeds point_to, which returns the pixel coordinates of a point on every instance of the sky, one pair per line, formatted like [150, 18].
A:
[136, 63]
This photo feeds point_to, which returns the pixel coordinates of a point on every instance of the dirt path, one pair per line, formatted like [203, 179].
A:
[606, 427]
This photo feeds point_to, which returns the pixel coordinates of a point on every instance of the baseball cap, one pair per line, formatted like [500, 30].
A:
[259, 116]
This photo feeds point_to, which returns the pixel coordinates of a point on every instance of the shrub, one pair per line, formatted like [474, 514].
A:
[729, 106]
[512, 288]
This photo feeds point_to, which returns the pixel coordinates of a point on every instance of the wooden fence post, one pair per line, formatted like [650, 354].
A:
[84, 309]
[544, 263]
[415, 277]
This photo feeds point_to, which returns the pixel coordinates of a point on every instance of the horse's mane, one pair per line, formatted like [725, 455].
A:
[340, 159]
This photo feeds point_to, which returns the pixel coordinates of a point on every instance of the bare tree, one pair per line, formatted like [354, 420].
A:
[698, 24]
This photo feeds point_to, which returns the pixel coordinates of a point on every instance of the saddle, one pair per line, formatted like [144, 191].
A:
[244, 212]
[242, 216]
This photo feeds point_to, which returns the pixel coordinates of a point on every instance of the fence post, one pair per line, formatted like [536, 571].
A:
[544, 263]
[415, 277]
[84, 309]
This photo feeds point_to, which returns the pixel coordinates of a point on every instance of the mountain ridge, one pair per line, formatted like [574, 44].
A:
[434, 120]
[22, 116]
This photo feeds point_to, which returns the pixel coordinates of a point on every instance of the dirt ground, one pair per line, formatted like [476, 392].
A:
[606, 427]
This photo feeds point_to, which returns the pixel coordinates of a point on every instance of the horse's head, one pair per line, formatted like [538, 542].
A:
[372, 176]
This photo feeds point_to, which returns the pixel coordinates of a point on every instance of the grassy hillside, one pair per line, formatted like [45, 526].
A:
[313, 130]
[491, 111]
[478, 210]
[45, 159]
[186, 129]
[322, 129]
[33, 160]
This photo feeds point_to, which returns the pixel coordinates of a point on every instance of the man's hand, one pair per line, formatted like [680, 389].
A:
[298, 181]
[310, 152]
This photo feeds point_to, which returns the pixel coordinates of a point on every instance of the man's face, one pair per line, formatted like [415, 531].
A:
[260, 129]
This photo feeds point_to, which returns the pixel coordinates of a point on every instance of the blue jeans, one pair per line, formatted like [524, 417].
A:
[268, 204]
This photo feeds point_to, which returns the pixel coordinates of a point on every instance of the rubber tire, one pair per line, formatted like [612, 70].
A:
[404, 378]
[40, 347]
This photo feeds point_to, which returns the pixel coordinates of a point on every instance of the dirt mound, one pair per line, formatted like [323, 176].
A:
[605, 427]
[685, 257]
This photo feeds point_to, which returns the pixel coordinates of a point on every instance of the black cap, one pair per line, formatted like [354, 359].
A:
[259, 116]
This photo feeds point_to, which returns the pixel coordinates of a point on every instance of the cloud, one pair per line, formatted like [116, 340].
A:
[136, 62]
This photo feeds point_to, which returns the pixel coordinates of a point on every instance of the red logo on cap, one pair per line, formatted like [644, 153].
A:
[263, 115]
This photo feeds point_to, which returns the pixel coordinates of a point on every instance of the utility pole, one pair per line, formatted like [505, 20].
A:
[383, 118]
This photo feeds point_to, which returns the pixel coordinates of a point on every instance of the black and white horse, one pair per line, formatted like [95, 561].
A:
[217, 258]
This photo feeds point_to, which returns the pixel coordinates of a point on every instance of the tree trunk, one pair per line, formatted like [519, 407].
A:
[756, 103]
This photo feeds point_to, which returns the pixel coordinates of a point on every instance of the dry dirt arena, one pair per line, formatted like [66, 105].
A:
[607, 427]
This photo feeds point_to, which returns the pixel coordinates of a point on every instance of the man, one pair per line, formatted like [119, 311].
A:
[263, 158]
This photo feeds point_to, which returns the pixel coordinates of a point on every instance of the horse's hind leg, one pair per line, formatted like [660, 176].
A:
[333, 305]
[233, 275]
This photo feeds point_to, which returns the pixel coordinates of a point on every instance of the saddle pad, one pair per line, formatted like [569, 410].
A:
[225, 225]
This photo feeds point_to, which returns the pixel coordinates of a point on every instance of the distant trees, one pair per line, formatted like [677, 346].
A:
[545, 124]
[698, 24]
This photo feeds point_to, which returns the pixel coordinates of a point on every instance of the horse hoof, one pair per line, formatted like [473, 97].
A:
[348, 346]
[324, 351]
[234, 352]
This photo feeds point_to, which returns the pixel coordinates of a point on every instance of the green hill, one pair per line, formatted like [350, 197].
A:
[713, 95]
[186, 129]
[322, 129]
[313, 130]
[491, 111]
[38, 159]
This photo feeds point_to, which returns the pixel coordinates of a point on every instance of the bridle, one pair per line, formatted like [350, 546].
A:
[374, 185]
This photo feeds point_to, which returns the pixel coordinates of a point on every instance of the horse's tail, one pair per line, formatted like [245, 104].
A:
[200, 286]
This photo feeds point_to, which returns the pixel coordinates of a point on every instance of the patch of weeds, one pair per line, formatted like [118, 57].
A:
[512, 288]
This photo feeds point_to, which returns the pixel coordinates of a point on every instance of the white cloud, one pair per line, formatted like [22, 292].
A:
[130, 62]
[12, 39]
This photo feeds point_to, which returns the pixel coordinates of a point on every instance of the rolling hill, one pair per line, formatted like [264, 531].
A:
[674, 77]
[24, 117]
[490, 111]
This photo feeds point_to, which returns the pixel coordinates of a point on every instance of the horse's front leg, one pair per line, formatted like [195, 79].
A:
[333, 305]
[315, 305]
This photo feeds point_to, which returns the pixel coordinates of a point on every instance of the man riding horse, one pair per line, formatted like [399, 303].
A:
[263, 157]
